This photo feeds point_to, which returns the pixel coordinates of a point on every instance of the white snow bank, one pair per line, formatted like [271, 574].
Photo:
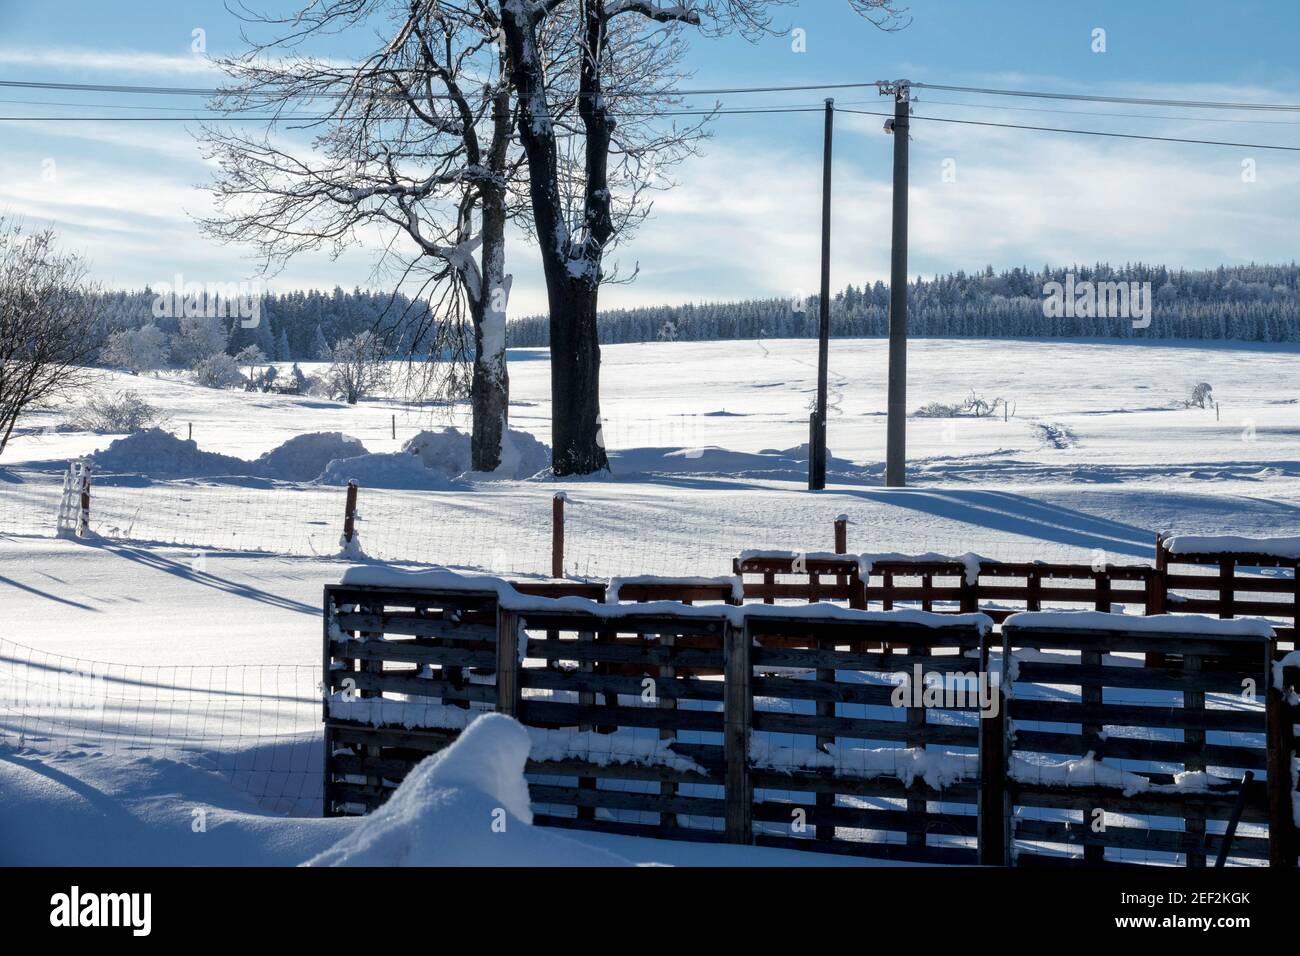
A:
[441, 579]
[465, 806]
[1277, 547]
[304, 457]
[395, 470]
[1152, 624]
[159, 453]
[448, 453]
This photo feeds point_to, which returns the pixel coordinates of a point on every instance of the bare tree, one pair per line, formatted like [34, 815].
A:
[46, 312]
[415, 144]
[616, 79]
[358, 367]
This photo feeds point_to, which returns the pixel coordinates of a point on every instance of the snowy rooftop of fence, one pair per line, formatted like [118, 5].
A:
[1150, 624]
[1277, 547]
[441, 579]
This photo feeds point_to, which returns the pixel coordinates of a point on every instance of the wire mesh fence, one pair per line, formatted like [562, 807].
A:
[610, 529]
[255, 725]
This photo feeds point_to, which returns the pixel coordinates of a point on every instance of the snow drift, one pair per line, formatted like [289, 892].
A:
[465, 806]
[448, 451]
[159, 453]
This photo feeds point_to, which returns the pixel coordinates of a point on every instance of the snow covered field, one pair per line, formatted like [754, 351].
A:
[200, 607]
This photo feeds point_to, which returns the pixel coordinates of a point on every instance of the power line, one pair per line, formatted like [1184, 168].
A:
[1130, 100]
[1103, 113]
[724, 111]
[1094, 132]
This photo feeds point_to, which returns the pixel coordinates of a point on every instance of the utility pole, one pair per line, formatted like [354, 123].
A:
[817, 425]
[896, 442]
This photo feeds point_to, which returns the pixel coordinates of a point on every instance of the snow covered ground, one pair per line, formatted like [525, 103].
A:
[200, 606]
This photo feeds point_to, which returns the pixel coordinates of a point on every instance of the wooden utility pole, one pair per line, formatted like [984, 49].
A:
[896, 442]
[817, 430]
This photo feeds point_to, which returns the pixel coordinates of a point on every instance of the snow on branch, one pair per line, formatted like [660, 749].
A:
[663, 14]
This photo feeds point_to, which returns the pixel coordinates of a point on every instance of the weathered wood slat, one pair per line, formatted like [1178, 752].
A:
[1154, 839]
[1141, 748]
[1137, 715]
[626, 800]
[863, 818]
[411, 625]
[826, 781]
[687, 658]
[1215, 806]
[409, 652]
[677, 688]
[1037, 672]
[864, 728]
[532, 710]
[389, 682]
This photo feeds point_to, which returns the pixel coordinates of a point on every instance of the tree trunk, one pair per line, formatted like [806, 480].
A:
[577, 444]
[576, 447]
[490, 386]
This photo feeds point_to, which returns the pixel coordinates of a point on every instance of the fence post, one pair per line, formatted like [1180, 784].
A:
[1280, 742]
[508, 694]
[557, 534]
[83, 517]
[350, 513]
[737, 706]
[991, 827]
[842, 534]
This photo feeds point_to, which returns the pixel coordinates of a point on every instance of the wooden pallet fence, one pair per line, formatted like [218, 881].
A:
[626, 711]
[404, 670]
[836, 764]
[1229, 584]
[1095, 744]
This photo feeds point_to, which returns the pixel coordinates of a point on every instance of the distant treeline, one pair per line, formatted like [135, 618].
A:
[1254, 303]
[292, 326]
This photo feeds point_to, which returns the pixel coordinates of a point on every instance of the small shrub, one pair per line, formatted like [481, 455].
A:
[218, 370]
[122, 412]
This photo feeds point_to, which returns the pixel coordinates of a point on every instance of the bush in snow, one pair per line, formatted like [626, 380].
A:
[358, 367]
[217, 370]
[197, 338]
[123, 412]
[136, 350]
[1202, 395]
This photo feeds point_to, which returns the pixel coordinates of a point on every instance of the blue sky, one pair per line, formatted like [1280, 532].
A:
[744, 219]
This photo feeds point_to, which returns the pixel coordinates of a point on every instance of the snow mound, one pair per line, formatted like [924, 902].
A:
[465, 806]
[305, 457]
[160, 453]
[395, 470]
[448, 452]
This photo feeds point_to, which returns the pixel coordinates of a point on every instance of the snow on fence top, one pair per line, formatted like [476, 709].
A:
[441, 579]
[1277, 547]
[865, 561]
[735, 582]
[1150, 624]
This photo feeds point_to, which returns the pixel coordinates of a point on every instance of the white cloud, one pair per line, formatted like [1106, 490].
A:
[116, 61]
